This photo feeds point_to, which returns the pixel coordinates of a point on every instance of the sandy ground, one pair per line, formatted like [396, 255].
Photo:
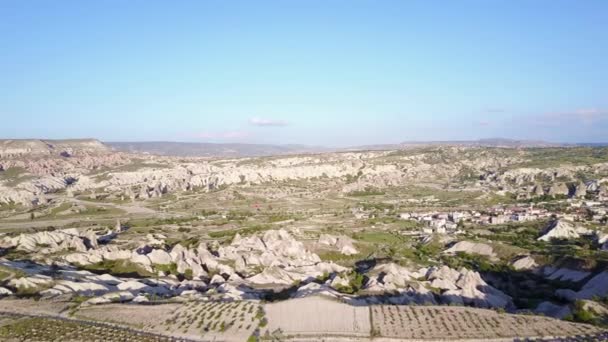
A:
[316, 316]
[31, 307]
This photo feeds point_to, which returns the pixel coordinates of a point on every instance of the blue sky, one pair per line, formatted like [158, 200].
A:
[314, 72]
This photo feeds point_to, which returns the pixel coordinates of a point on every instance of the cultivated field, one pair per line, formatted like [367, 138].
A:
[234, 321]
[48, 329]
[441, 322]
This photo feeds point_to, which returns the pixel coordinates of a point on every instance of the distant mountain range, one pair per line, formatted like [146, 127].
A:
[10, 147]
[186, 149]
[18, 147]
[493, 142]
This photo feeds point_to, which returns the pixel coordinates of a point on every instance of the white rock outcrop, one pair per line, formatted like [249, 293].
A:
[471, 248]
[344, 244]
[456, 286]
[524, 263]
[562, 229]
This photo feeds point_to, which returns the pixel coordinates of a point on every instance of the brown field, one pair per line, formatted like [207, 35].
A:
[316, 316]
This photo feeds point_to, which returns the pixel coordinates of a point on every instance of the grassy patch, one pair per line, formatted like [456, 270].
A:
[553, 157]
[377, 237]
[448, 197]
[62, 207]
[167, 269]
[368, 191]
[120, 268]
[355, 282]
[9, 272]
[244, 231]
[159, 222]
[92, 210]
[13, 176]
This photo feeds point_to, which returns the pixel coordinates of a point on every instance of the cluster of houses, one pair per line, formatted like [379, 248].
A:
[448, 222]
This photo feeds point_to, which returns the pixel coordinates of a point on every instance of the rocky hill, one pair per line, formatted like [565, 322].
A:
[29, 147]
[191, 149]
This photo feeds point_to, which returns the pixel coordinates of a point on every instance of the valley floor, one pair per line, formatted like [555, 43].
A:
[302, 319]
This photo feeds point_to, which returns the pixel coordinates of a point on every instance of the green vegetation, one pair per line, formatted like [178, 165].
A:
[444, 196]
[238, 215]
[9, 272]
[120, 268]
[188, 274]
[243, 231]
[553, 157]
[545, 198]
[140, 223]
[347, 260]
[467, 174]
[13, 176]
[353, 179]
[355, 282]
[138, 164]
[206, 212]
[409, 225]
[474, 262]
[60, 208]
[79, 299]
[33, 329]
[92, 210]
[428, 251]
[369, 191]
[280, 217]
[168, 269]
[191, 242]
[377, 206]
[101, 177]
[9, 206]
[14, 254]
[583, 314]
[399, 248]
[378, 237]
[520, 234]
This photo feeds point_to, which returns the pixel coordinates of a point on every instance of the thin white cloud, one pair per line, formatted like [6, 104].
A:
[585, 116]
[591, 115]
[267, 122]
